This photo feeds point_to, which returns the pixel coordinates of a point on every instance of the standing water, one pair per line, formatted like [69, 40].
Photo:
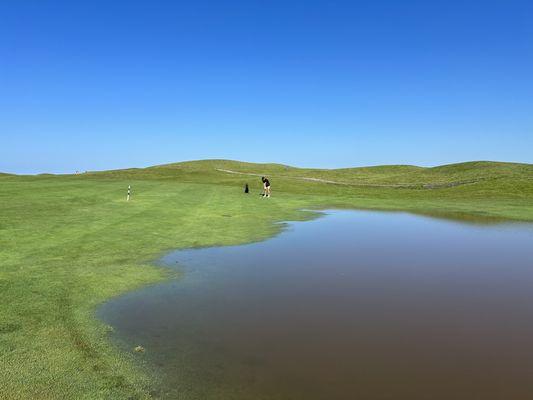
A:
[354, 305]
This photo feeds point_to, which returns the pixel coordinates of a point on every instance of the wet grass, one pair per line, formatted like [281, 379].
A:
[68, 243]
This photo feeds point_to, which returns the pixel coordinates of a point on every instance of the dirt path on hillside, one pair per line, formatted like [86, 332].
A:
[398, 185]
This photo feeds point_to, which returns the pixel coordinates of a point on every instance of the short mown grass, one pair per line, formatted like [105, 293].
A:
[68, 243]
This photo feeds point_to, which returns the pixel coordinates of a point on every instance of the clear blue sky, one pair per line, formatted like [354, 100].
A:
[111, 84]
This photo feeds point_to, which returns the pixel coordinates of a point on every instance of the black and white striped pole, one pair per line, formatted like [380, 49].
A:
[129, 193]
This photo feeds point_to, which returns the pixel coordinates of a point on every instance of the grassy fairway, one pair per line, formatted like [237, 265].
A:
[68, 243]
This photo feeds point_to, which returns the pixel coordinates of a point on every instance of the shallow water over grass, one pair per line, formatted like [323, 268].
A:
[352, 305]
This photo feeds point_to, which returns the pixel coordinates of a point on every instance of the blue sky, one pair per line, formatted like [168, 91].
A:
[99, 85]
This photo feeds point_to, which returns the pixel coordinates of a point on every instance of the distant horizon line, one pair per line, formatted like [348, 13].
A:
[74, 172]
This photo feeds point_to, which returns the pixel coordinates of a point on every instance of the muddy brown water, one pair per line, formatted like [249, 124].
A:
[352, 305]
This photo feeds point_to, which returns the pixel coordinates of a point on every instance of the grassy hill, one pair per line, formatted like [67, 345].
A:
[482, 188]
[69, 242]
[409, 176]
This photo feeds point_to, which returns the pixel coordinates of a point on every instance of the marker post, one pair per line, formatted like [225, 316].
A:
[129, 193]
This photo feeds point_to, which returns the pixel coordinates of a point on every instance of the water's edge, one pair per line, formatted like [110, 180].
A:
[119, 343]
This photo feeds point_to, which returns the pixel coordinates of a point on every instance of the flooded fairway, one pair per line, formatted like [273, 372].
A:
[353, 305]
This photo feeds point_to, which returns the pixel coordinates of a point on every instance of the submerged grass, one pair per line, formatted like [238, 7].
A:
[68, 243]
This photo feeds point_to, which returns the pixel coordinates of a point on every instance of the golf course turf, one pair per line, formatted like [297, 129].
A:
[70, 242]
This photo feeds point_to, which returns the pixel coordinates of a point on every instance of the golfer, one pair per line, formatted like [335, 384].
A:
[266, 187]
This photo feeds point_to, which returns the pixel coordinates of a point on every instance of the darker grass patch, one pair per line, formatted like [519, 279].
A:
[9, 327]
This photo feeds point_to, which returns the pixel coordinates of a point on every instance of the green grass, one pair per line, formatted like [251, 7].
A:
[69, 242]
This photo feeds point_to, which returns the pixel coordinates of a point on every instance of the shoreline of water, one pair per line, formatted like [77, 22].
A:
[217, 289]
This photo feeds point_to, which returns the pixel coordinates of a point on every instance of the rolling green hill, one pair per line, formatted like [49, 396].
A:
[69, 242]
[492, 189]
[390, 175]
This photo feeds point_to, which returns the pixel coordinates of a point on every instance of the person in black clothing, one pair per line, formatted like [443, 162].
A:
[266, 187]
[246, 189]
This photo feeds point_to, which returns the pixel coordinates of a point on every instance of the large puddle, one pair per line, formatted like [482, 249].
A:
[353, 305]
